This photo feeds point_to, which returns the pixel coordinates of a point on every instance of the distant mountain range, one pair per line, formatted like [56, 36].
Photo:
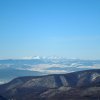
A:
[37, 66]
[81, 85]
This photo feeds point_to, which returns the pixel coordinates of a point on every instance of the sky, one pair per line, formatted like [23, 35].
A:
[67, 28]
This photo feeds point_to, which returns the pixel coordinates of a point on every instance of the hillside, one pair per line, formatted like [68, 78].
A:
[81, 85]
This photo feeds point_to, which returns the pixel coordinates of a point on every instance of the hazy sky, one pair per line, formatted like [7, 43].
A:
[69, 28]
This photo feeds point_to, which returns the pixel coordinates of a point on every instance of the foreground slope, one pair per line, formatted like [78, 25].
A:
[82, 85]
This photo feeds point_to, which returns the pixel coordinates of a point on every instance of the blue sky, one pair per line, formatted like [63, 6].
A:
[69, 28]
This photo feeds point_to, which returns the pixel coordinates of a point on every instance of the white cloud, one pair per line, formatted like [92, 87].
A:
[45, 68]
[54, 71]
[2, 82]
[91, 67]
[27, 57]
